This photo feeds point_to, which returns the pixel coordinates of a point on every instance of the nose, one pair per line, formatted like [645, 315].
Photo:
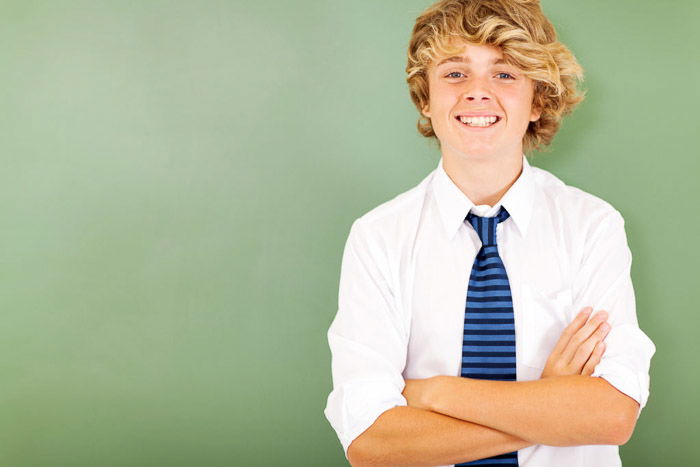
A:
[477, 97]
[477, 91]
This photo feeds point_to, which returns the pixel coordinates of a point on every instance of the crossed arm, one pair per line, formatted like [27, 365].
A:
[452, 419]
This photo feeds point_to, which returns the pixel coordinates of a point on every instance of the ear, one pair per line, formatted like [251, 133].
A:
[426, 110]
[536, 110]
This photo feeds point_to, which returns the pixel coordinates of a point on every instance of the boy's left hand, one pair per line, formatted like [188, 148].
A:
[580, 346]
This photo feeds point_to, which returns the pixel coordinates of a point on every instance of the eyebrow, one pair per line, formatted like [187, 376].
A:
[459, 58]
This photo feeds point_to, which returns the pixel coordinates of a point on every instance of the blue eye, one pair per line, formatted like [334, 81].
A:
[449, 75]
[505, 76]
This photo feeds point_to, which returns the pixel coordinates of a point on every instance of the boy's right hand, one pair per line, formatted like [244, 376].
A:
[580, 346]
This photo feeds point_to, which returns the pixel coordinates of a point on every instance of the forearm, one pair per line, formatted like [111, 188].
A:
[558, 411]
[411, 436]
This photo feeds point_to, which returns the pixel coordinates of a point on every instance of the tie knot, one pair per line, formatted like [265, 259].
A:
[486, 226]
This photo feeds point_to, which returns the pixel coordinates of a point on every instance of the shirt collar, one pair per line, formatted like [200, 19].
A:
[455, 205]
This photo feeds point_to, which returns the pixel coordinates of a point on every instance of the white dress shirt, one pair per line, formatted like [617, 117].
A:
[403, 287]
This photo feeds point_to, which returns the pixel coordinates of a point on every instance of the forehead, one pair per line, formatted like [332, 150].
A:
[468, 52]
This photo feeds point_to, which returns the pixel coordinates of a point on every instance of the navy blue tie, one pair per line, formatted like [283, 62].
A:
[488, 347]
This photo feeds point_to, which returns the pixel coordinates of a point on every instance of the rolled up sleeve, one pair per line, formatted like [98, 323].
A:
[367, 338]
[604, 283]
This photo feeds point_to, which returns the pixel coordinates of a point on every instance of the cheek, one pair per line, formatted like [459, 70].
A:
[520, 104]
[442, 92]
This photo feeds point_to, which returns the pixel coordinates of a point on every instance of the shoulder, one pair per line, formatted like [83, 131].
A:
[571, 204]
[587, 229]
[378, 237]
[395, 217]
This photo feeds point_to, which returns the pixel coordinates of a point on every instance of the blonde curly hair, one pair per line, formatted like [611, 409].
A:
[526, 39]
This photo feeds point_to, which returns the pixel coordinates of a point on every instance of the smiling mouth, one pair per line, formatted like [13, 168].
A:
[479, 122]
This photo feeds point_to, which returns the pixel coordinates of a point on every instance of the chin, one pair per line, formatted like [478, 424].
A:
[476, 153]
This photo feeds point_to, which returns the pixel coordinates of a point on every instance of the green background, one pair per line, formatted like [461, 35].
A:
[178, 181]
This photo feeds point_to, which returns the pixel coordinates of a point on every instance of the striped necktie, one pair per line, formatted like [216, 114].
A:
[488, 348]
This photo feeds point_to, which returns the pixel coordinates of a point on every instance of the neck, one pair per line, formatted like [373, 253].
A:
[483, 181]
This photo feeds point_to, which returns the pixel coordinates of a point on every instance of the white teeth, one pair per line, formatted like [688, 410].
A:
[478, 121]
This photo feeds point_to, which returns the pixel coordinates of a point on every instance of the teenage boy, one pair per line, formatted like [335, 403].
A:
[465, 330]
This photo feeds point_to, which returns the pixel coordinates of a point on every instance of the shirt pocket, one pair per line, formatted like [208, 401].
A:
[544, 317]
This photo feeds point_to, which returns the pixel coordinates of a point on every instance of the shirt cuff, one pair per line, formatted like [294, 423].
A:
[354, 407]
[629, 382]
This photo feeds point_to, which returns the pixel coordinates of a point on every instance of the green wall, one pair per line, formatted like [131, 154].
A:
[178, 181]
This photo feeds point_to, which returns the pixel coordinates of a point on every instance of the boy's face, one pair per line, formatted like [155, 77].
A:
[479, 106]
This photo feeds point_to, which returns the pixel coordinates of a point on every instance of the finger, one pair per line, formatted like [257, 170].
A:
[592, 362]
[586, 349]
[583, 334]
[571, 329]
